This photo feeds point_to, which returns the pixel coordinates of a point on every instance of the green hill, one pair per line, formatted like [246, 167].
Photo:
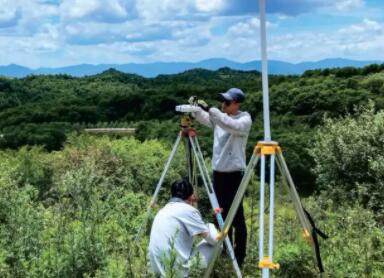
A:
[43, 110]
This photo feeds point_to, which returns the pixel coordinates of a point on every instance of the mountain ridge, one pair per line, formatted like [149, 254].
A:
[157, 68]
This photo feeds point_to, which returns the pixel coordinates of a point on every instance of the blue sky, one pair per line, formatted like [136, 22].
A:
[52, 33]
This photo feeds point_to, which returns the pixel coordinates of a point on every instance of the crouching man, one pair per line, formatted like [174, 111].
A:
[172, 233]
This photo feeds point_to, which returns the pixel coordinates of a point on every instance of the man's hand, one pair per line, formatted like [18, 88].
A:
[212, 234]
[201, 103]
[192, 100]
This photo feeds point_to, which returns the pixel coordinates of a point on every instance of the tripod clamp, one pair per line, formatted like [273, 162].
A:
[266, 148]
[186, 126]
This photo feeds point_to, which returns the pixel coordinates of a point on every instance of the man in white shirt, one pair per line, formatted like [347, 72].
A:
[173, 230]
[231, 128]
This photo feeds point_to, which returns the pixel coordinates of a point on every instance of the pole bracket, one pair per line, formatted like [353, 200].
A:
[266, 263]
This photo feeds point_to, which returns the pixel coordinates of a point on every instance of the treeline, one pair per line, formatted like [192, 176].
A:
[43, 110]
[346, 71]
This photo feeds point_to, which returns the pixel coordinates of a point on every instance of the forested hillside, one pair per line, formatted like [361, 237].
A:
[43, 110]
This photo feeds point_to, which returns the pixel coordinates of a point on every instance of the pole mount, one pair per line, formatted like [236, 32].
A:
[307, 236]
[267, 148]
[266, 263]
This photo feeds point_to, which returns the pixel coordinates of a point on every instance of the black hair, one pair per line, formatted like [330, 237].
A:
[181, 189]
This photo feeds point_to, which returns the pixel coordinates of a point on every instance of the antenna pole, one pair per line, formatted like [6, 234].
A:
[264, 72]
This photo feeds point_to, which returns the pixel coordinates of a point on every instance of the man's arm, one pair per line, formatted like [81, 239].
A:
[194, 223]
[202, 117]
[196, 227]
[211, 235]
[203, 234]
[239, 126]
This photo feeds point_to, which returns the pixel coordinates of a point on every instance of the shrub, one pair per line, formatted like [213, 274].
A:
[349, 159]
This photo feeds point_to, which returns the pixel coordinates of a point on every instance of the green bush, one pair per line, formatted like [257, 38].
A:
[355, 247]
[74, 213]
[349, 159]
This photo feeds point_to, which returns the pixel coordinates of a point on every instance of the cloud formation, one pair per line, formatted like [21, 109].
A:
[9, 17]
[57, 33]
[111, 11]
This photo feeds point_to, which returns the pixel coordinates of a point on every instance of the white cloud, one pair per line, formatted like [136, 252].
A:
[365, 26]
[9, 14]
[78, 8]
[98, 10]
[28, 16]
[347, 5]
[209, 6]
[92, 33]
[158, 10]
[39, 32]
[361, 41]
[247, 28]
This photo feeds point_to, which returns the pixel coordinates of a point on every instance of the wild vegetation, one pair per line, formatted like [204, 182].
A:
[71, 204]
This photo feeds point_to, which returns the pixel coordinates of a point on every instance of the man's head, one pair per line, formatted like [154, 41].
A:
[230, 100]
[184, 190]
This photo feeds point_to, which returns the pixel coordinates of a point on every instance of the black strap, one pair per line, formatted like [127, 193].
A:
[319, 232]
[315, 231]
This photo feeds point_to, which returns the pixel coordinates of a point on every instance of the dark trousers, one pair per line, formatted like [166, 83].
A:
[226, 185]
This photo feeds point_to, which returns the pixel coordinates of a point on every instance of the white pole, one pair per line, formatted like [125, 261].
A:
[264, 71]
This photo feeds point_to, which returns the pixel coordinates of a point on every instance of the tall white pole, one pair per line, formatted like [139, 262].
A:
[267, 138]
[264, 72]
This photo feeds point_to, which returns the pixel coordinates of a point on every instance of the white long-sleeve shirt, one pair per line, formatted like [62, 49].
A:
[230, 138]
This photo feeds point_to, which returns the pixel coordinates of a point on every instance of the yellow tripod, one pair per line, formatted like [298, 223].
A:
[262, 152]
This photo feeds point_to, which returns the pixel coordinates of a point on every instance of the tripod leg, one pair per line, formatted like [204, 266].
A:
[308, 229]
[288, 181]
[271, 206]
[203, 163]
[188, 158]
[265, 271]
[262, 260]
[157, 190]
[213, 200]
[232, 211]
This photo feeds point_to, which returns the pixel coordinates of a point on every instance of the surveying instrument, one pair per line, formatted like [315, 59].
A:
[263, 150]
[193, 154]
